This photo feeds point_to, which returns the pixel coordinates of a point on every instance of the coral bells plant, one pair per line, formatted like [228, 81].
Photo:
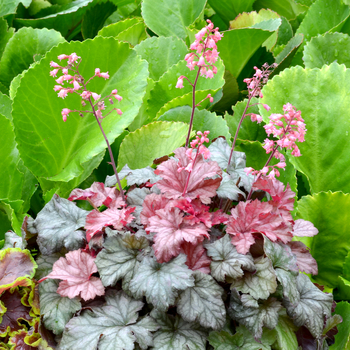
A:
[197, 251]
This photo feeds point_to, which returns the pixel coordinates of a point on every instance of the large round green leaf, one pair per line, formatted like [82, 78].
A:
[327, 48]
[22, 48]
[53, 149]
[238, 45]
[323, 99]
[161, 53]
[202, 121]
[330, 213]
[171, 17]
[63, 18]
[165, 90]
[152, 141]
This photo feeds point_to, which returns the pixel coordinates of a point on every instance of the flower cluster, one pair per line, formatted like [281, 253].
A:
[206, 53]
[72, 76]
[260, 78]
[289, 128]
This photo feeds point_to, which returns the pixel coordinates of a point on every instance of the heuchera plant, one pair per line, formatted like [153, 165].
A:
[198, 249]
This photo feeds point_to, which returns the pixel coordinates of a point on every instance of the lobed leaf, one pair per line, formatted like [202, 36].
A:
[311, 308]
[113, 326]
[203, 302]
[175, 333]
[226, 262]
[59, 224]
[160, 283]
[259, 284]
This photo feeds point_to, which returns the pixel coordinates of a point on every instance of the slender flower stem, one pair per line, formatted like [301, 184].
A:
[108, 145]
[189, 174]
[193, 106]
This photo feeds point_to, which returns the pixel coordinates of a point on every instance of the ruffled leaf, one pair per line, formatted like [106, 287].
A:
[303, 228]
[201, 183]
[12, 240]
[76, 270]
[59, 225]
[15, 311]
[118, 259]
[203, 302]
[117, 218]
[172, 231]
[160, 283]
[197, 258]
[226, 262]
[259, 284]
[55, 309]
[228, 188]
[255, 317]
[98, 194]
[135, 199]
[311, 308]
[17, 267]
[113, 326]
[250, 217]
[305, 261]
[175, 333]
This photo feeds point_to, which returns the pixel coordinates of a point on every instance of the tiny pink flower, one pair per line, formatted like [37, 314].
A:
[119, 111]
[62, 57]
[180, 82]
[58, 87]
[73, 58]
[59, 80]
[54, 64]
[210, 73]
[67, 77]
[248, 170]
[211, 99]
[65, 71]
[76, 85]
[95, 96]
[266, 107]
[85, 95]
[118, 97]
[201, 61]
[97, 71]
[65, 112]
[104, 75]
[63, 93]
[114, 92]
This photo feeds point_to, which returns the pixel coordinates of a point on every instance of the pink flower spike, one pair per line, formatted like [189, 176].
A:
[266, 107]
[62, 57]
[119, 111]
[180, 82]
[95, 96]
[54, 65]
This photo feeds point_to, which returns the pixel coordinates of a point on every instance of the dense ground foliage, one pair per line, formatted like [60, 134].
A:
[174, 174]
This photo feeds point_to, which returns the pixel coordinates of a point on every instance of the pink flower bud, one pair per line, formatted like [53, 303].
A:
[266, 107]
[63, 93]
[65, 71]
[210, 74]
[114, 92]
[59, 80]
[76, 85]
[85, 95]
[58, 87]
[65, 112]
[62, 57]
[180, 82]
[95, 96]
[97, 71]
[211, 99]
[119, 111]
[104, 75]
[67, 77]
[73, 58]
[118, 97]
[54, 64]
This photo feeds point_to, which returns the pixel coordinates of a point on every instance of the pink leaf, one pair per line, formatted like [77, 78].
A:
[256, 217]
[195, 210]
[303, 228]
[200, 184]
[197, 258]
[243, 242]
[151, 204]
[172, 231]
[75, 270]
[305, 261]
[98, 195]
[118, 218]
[282, 200]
